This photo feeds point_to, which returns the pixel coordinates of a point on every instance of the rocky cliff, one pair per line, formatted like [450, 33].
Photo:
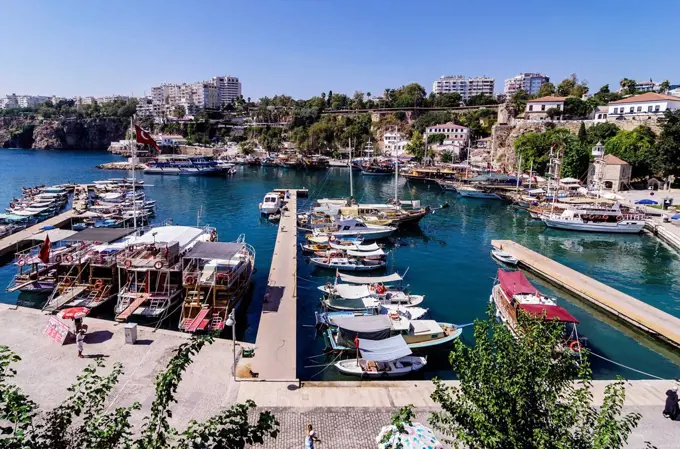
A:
[86, 134]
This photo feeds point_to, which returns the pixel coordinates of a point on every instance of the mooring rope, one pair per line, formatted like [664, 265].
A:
[626, 366]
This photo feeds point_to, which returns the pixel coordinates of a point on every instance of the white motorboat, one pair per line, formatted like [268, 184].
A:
[354, 246]
[357, 297]
[389, 357]
[271, 203]
[476, 192]
[348, 264]
[354, 227]
[504, 257]
[596, 219]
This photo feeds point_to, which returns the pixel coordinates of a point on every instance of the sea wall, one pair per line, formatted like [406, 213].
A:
[87, 134]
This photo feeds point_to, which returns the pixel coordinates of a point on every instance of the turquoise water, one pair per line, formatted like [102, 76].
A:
[447, 257]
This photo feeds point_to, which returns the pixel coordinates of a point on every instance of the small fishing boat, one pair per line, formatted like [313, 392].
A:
[271, 203]
[476, 192]
[357, 297]
[348, 264]
[354, 227]
[504, 257]
[390, 357]
[327, 319]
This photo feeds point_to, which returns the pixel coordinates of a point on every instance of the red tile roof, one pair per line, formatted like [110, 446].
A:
[449, 125]
[610, 159]
[646, 97]
[549, 98]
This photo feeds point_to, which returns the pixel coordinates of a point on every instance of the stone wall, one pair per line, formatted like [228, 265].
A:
[61, 134]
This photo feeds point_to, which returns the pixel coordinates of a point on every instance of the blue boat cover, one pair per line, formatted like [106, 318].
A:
[385, 350]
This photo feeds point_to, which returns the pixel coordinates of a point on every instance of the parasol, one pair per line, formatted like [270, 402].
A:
[417, 436]
[73, 313]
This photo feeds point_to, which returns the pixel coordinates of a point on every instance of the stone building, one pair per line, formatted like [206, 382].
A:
[609, 173]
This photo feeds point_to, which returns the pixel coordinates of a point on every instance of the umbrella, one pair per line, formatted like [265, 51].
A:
[675, 217]
[417, 436]
[646, 201]
[73, 313]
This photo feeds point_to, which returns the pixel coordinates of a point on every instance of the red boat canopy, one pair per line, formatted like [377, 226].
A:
[515, 283]
[549, 312]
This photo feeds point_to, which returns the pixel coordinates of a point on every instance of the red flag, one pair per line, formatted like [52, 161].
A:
[44, 254]
[144, 137]
[356, 341]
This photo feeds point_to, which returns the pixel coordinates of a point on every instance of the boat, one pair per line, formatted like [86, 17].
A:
[420, 335]
[327, 319]
[354, 227]
[390, 357]
[348, 264]
[369, 293]
[504, 257]
[182, 165]
[476, 192]
[271, 203]
[150, 270]
[447, 185]
[596, 219]
[513, 293]
[376, 169]
[215, 275]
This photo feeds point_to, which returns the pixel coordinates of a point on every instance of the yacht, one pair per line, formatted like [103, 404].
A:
[182, 165]
[596, 219]
[271, 203]
[476, 192]
[354, 227]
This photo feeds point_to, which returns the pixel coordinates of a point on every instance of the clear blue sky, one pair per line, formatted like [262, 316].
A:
[304, 47]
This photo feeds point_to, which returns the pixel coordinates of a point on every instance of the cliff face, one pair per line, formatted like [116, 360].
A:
[86, 134]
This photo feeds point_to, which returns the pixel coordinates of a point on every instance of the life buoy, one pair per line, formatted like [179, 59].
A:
[158, 265]
[575, 346]
[128, 263]
[189, 280]
[58, 258]
[380, 289]
[68, 258]
[21, 262]
[99, 284]
[619, 218]
[604, 217]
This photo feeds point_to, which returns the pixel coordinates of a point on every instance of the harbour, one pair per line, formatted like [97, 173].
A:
[456, 288]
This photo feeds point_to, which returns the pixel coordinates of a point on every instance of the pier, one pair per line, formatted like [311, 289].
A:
[633, 311]
[15, 242]
[276, 342]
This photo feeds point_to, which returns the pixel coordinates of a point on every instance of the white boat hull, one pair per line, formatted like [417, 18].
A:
[478, 194]
[346, 266]
[396, 368]
[621, 227]
[367, 235]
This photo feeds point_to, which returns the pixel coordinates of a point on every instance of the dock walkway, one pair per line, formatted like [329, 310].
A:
[13, 243]
[276, 343]
[641, 315]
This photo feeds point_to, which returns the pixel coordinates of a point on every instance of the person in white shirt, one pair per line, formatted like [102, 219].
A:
[311, 438]
[80, 341]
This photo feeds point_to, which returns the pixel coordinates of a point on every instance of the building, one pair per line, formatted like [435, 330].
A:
[394, 143]
[645, 86]
[228, 87]
[22, 101]
[637, 107]
[110, 98]
[205, 96]
[466, 87]
[10, 101]
[528, 82]
[537, 109]
[600, 113]
[457, 137]
[610, 173]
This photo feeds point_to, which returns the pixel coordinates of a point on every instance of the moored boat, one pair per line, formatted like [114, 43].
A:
[390, 357]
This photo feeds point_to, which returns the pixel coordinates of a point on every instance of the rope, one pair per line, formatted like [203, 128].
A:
[628, 367]
[330, 364]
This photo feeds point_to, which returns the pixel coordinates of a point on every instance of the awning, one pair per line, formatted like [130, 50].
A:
[373, 327]
[55, 235]
[214, 250]
[515, 283]
[394, 277]
[348, 291]
[104, 235]
[385, 350]
[377, 252]
[549, 312]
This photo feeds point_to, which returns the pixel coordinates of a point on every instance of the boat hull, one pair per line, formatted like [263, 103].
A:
[397, 368]
[622, 227]
[478, 195]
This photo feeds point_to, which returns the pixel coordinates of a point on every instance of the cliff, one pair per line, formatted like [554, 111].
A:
[86, 134]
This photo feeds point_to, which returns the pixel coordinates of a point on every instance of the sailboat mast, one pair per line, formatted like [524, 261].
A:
[519, 172]
[531, 172]
[351, 183]
[396, 178]
[133, 152]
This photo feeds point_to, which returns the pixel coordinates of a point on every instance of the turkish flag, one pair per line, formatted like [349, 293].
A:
[356, 341]
[44, 254]
[144, 137]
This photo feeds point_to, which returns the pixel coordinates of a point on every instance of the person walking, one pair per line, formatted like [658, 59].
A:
[80, 342]
[672, 410]
[311, 438]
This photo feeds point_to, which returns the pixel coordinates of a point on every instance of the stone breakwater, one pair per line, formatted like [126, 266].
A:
[89, 134]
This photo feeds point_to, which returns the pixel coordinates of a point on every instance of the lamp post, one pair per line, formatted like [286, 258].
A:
[231, 321]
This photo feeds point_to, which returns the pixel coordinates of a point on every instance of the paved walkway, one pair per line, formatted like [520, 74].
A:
[275, 344]
[14, 241]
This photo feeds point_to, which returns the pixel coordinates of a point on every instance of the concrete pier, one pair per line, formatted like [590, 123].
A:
[15, 242]
[276, 342]
[633, 311]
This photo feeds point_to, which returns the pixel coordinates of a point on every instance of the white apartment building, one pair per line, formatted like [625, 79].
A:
[453, 132]
[205, 95]
[22, 101]
[110, 98]
[9, 101]
[647, 105]
[528, 82]
[537, 109]
[394, 143]
[228, 87]
[466, 87]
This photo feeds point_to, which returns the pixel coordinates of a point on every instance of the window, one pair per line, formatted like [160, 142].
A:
[639, 108]
[657, 107]
[542, 107]
[649, 108]
[531, 107]
[616, 110]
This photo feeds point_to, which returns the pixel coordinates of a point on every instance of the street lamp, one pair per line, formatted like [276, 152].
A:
[231, 321]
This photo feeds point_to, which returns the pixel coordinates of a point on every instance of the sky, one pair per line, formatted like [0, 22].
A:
[304, 47]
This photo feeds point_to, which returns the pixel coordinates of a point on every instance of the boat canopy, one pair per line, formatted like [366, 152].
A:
[104, 235]
[385, 350]
[394, 277]
[214, 250]
[55, 235]
[377, 252]
[348, 291]
[515, 283]
[374, 327]
[358, 247]
[549, 312]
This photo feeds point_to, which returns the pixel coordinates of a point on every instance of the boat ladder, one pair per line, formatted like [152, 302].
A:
[156, 304]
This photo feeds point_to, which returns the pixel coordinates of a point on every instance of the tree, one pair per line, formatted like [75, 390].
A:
[480, 100]
[535, 147]
[664, 86]
[329, 97]
[628, 86]
[446, 100]
[179, 111]
[574, 107]
[668, 146]
[553, 113]
[416, 147]
[400, 419]
[582, 134]
[572, 87]
[411, 95]
[637, 147]
[84, 421]
[519, 101]
[521, 393]
[247, 147]
[448, 157]
[576, 158]
[601, 132]
[546, 89]
[436, 138]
